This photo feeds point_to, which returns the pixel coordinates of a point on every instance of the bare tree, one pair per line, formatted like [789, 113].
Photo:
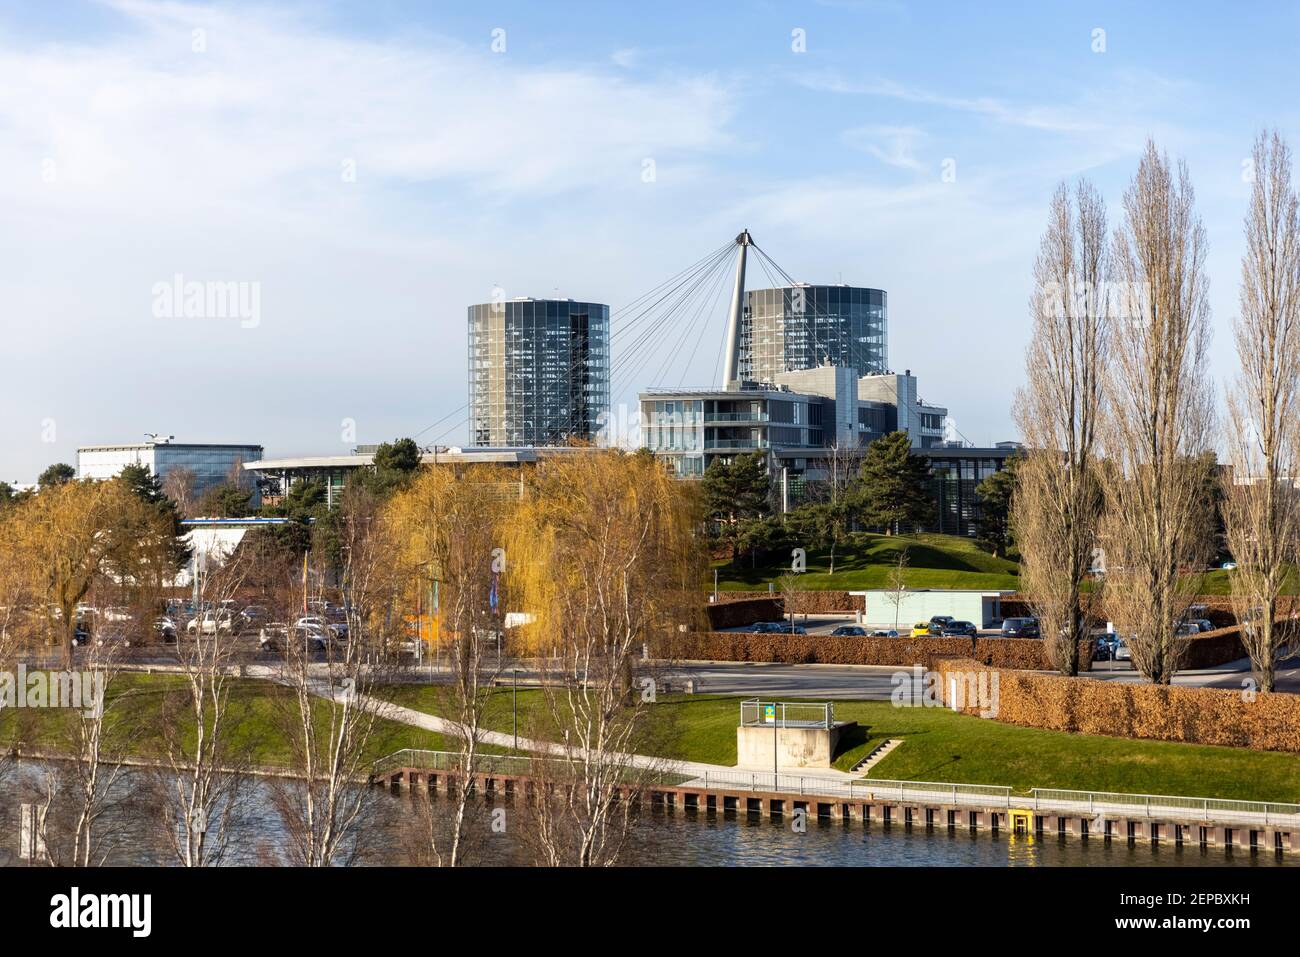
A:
[328, 714]
[202, 787]
[179, 486]
[898, 582]
[1057, 503]
[1160, 417]
[83, 793]
[449, 529]
[1260, 507]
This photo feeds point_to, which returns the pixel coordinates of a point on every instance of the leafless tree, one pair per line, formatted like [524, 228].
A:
[448, 527]
[82, 793]
[179, 487]
[1261, 510]
[898, 582]
[1057, 502]
[1160, 417]
[202, 788]
[328, 714]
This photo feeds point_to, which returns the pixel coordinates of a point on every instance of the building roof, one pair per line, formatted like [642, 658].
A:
[141, 446]
[469, 456]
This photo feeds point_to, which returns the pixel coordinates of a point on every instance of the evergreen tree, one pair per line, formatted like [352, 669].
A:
[735, 495]
[893, 488]
[56, 474]
[994, 495]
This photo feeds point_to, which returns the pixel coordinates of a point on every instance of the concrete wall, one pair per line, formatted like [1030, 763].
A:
[795, 747]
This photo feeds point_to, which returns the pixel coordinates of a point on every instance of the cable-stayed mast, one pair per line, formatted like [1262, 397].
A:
[731, 370]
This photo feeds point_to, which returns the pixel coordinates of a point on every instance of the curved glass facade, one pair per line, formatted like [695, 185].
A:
[802, 327]
[538, 371]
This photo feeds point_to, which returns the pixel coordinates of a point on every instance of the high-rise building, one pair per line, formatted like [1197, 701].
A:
[538, 371]
[803, 326]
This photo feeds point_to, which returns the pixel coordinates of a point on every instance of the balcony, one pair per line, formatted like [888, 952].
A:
[722, 444]
[735, 417]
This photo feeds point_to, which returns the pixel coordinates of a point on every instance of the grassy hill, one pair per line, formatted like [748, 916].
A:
[935, 561]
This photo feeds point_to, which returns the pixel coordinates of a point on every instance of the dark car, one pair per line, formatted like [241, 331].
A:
[765, 627]
[960, 629]
[849, 631]
[164, 629]
[1020, 628]
[939, 622]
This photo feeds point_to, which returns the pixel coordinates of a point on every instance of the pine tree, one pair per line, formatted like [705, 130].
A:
[893, 486]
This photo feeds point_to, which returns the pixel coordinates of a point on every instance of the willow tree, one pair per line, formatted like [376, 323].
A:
[71, 534]
[603, 558]
[446, 531]
[1160, 416]
[1260, 507]
[1056, 505]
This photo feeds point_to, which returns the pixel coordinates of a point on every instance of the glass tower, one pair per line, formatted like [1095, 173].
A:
[538, 371]
[802, 327]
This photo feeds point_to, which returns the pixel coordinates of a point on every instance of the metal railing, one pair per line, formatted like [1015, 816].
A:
[1165, 805]
[515, 765]
[786, 714]
[975, 795]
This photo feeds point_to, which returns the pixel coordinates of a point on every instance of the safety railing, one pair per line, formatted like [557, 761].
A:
[1165, 805]
[786, 714]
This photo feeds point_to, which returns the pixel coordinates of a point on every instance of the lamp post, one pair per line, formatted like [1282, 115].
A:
[514, 704]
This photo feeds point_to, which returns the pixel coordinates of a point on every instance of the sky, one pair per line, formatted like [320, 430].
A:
[362, 172]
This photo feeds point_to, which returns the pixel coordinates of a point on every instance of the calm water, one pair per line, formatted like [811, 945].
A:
[678, 838]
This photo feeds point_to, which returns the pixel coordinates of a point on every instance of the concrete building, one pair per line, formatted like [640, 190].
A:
[211, 464]
[801, 418]
[956, 471]
[538, 371]
[984, 608]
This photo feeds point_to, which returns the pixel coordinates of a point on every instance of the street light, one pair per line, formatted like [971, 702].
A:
[514, 706]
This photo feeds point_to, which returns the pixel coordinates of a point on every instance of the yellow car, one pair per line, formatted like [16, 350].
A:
[921, 629]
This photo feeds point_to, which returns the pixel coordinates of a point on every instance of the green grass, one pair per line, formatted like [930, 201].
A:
[136, 713]
[941, 746]
[935, 561]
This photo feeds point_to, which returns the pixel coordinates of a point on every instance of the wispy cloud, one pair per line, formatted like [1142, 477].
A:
[892, 145]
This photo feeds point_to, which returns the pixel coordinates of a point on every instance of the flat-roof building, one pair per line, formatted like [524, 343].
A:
[212, 464]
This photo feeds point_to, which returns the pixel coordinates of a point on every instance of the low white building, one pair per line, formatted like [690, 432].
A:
[211, 464]
[884, 607]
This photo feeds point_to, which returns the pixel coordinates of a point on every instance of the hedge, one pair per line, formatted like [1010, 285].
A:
[733, 614]
[825, 649]
[1265, 722]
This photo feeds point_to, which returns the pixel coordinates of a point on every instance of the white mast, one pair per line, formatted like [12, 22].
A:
[731, 371]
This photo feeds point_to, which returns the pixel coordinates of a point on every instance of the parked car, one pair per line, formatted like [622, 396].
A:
[960, 629]
[210, 623]
[339, 630]
[939, 622]
[1121, 651]
[164, 629]
[1020, 628]
[80, 634]
[921, 629]
[1186, 629]
[1228, 566]
[272, 636]
[252, 617]
[766, 627]
[1203, 623]
[1104, 647]
[849, 631]
[884, 633]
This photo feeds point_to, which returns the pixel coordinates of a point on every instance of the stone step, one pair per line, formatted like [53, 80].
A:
[876, 754]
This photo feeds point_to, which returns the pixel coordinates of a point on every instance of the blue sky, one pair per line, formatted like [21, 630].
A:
[130, 156]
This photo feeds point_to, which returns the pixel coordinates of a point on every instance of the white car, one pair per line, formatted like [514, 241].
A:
[1122, 651]
[210, 623]
[319, 625]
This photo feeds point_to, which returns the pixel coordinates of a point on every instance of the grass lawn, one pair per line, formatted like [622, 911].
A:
[136, 715]
[941, 746]
[935, 561]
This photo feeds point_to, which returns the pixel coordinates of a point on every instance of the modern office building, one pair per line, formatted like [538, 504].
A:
[211, 464]
[800, 420]
[538, 371]
[956, 471]
[803, 326]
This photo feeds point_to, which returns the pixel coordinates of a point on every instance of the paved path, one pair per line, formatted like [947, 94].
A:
[429, 722]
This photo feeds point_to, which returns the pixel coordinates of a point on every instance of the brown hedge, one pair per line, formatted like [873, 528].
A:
[1269, 722]
[733, 614]
[824, 649]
